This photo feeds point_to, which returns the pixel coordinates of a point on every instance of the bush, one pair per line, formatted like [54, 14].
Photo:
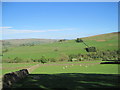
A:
[52, 59]
[17, 60]
[79, 40]
[64, 57]
[43, 60]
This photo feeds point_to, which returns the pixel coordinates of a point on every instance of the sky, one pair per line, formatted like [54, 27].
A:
[58, 20]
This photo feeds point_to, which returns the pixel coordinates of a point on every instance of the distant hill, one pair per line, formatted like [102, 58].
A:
[19, 42]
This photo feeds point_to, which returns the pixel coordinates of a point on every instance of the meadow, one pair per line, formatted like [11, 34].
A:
[60, 71]
[11, 67]
[72, 76]
[93, 67]
[57, 50]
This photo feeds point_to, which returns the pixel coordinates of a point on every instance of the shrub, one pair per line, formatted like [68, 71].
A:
[17, 59]
[71, 56]
[64, 57]
[52, 59]
[43, 60]
[79, 40]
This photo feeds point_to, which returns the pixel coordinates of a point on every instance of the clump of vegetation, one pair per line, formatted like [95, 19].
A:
[13, 60]
[79, 40]
[43, 60]
[28, 44]
[63, 57]
[4, 50]
[62, 40]
[99, 55]
[52, 59]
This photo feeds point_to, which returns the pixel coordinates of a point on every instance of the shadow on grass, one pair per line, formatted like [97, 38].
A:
[69, 81]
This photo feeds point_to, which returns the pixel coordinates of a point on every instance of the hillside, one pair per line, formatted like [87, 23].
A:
[18, 42]
[59, 50]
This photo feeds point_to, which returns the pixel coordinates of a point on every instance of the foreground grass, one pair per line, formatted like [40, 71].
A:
[69, 81]
[77, 68]
[72, 75]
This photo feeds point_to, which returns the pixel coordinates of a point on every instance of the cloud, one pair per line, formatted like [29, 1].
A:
[14, 31]
[5, 27]
[8, 30]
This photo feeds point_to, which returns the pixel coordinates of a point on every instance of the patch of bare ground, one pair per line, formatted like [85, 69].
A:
[30, 69]
[10, 68]
[110, 44]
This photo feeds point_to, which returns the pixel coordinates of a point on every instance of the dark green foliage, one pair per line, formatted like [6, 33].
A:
[91, 49]
[62, 40]
[99, 55]
[43, 60]
[79, 40]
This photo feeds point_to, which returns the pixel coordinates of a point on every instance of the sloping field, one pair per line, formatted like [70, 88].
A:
[60, 49]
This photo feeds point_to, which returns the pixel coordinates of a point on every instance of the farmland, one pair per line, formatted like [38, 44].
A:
[11, 67]
[89, 67]
[72, 75]
[67, 64]
[61, 52]
[58, 50]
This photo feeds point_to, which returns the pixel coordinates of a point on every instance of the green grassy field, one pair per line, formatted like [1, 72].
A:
[64, 67]
[68, 75]
[60, 49]
[73, 76]
[93, 67]
[11, 67]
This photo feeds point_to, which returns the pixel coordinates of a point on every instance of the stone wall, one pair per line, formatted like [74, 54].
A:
[13, 77]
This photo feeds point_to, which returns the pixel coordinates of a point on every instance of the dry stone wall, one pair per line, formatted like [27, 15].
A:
[13, 77]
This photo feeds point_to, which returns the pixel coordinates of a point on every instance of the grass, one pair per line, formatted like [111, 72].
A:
[69, 81]
[75, 76]
[68, 75]
[11, 67]
[77, 68]
[102, 42]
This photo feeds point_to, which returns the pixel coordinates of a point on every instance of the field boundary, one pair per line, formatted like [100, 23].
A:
[30, 69]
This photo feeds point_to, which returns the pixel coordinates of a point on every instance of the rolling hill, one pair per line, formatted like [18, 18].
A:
[57, 50]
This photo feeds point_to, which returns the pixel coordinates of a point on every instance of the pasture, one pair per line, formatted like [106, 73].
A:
[11, 67]
[72, 75]
[63, 67]
[73, 67]
[62, 49]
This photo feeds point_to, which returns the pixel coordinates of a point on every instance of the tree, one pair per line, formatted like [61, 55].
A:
[43, 60]
[79, 40]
